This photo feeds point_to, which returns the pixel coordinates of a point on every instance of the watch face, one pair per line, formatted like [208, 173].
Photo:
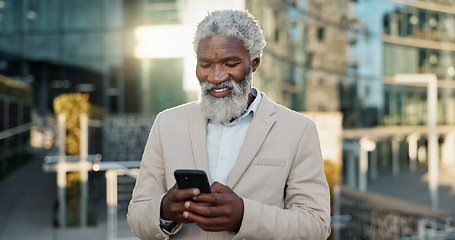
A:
[168, 225]
[165, 223]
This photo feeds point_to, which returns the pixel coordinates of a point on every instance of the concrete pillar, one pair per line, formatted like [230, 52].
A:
[374, 165]
[111, 200]
[351, 149]
[433, 159]
[422, 154]
[61, 169]
[396, 154]
[432, 110]
[366, 146]
[413, 143]
[385, 154]
[83, 149]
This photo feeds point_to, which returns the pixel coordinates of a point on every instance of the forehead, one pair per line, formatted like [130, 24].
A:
[221, 46]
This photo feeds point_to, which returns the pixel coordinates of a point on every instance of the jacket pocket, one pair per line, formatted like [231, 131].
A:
[269, 161]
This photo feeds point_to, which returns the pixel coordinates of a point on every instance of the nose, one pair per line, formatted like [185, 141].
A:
[217, 74]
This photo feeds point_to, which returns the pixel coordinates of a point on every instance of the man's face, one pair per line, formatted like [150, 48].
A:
[225, 73]
[220, 58]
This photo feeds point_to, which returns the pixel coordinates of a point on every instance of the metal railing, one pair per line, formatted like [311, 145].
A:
[376, 216]
[113, 170]
[430, 229]
[62, 164]
[15, 122]
[15, 130]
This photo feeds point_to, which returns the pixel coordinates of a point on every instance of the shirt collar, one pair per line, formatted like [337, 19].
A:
[255, 104]
[251, 109]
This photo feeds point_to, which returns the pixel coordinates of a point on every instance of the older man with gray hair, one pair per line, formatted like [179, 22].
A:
[263, 160]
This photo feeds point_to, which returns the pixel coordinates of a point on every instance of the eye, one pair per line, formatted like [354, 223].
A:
[233, 65]
[204, 65]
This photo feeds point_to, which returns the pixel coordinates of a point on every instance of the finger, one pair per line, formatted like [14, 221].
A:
[215, 218]
[205, 210]
[183, 194]
[208, 198]
[215, 199]
[172, 210]
[207, 224]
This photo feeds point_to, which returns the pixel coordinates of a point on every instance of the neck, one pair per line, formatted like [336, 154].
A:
[251, 98]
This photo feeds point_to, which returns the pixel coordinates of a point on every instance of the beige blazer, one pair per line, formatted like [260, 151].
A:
[279, 175]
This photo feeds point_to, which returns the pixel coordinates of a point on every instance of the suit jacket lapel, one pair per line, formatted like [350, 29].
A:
[198, 129]
[259, 129]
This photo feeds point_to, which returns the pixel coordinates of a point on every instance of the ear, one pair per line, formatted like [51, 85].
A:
[255, 63]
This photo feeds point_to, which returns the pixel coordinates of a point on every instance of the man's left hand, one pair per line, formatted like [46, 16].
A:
[221, 210]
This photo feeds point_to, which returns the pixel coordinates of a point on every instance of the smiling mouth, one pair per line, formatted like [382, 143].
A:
[220, 90]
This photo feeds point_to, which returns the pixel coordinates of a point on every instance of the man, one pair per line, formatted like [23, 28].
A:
[263, 160]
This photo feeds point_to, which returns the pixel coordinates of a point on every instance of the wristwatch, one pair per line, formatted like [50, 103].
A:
[168, 225]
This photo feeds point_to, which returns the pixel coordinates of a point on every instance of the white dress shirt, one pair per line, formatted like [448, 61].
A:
[225, 140]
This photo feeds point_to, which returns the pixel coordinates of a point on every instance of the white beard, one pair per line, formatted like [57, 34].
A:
[224, 109]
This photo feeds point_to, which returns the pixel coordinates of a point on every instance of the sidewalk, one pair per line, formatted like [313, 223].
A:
[27, 199]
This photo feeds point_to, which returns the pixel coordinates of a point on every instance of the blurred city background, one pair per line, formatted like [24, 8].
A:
[81, 82]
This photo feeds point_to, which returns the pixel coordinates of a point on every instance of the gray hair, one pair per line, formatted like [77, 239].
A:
[232, 23]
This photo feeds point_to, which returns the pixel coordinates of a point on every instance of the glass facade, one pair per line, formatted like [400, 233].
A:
[62, 46]
[304, 65]
[412, 37]
[433, 34]
[401, 37]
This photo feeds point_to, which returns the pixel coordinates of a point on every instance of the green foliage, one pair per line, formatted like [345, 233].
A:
[73, 199]
[96, 112]
[15, 88]
[333, 175]
[73, 105]
[332, 172]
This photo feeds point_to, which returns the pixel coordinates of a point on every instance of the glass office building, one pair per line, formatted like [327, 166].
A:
[64, 46]
[399, 37]
[403, 37]
[306, 61]
[61, 46]
[327, 56]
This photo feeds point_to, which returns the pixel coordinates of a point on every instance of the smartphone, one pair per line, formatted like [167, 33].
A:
[189, 178]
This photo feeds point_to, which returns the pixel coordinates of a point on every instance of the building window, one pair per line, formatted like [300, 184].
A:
[320, 33]
[160, 12]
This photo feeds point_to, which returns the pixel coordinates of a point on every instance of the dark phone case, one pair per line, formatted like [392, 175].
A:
[188, 178]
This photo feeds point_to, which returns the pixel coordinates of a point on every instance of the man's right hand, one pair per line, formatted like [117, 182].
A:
[172, 205]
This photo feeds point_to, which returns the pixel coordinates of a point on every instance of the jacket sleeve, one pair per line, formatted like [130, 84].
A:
[306, 213]
[144, 208]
